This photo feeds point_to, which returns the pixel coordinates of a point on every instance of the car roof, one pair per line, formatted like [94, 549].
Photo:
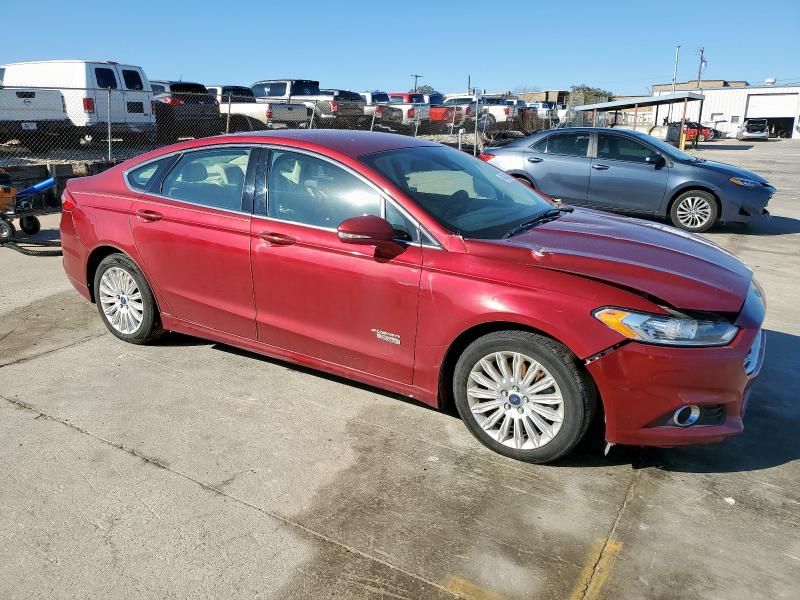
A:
[347, 142]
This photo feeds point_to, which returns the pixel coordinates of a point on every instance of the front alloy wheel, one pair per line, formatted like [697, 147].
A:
[523, 395]
[694, 211]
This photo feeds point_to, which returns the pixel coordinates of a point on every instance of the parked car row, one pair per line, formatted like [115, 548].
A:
[75, 101]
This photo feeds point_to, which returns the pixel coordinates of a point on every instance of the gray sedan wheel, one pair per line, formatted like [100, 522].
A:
[694, 211]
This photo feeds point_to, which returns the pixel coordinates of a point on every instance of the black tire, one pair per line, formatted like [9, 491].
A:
[7, 231]
[577, 391]
[709, 211]
[150, 327]
[30, 225]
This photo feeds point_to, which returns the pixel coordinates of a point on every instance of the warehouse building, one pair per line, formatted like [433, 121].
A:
[727, 106]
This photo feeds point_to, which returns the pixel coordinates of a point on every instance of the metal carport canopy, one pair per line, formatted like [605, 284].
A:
[641, 101]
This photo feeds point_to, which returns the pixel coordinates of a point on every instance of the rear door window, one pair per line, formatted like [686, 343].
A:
[568, 144]
[106, 78]
[213, 178]
[132, 79]
[540, 146]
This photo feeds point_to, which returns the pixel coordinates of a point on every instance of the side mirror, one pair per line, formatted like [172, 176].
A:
[368, 230]
[655, 160]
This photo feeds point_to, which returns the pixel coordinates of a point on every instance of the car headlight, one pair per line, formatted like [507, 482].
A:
[669, 330]
[744, 182]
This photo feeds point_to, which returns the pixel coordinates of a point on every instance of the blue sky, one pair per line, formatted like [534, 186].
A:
[367, 45]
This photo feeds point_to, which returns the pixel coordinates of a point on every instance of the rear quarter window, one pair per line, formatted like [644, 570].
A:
[140, 178]
[132, 79]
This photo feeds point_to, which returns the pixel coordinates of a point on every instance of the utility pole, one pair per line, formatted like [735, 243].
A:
[675, 68]
[700, 66]
[416, 77]
[674, 77]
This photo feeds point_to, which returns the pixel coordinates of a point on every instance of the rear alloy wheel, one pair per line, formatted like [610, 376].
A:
[701, 138]
[523, 395]
[125, 301]
[694, 211]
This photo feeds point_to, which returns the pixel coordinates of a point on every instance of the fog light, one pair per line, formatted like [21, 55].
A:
[686, 416]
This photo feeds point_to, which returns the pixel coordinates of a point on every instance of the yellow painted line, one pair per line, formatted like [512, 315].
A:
[465, 588]
[596, 570]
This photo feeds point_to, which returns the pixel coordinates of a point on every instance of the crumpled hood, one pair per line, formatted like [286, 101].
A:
[728, 170]
[682, 269]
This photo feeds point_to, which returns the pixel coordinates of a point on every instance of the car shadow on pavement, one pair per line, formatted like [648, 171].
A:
[771, 423]
[775, 225]
[718, 146]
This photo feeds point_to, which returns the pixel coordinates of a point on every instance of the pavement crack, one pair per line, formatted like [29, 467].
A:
[216, 490]
[609, 548]
[25, 359]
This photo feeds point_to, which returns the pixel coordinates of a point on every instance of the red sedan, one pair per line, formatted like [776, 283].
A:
[413, 267]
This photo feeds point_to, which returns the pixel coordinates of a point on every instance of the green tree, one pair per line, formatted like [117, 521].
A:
[424, 89]
[586, 94]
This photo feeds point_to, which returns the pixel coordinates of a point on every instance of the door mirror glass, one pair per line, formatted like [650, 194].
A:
[366, 229]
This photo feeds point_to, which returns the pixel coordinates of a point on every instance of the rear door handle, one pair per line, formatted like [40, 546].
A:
[149, 215]
[535, 159]
[277, 239]
[601, 167]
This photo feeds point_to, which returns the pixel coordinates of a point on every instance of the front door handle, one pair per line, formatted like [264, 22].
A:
[148, 215]
[601, 167]
[535, 159]
[277, 239]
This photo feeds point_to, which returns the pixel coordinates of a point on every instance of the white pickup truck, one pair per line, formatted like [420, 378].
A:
[324, 107]
[36, 117]
[242, 111]
[415, 109]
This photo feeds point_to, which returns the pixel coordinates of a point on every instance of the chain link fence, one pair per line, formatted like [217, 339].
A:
[39, 125]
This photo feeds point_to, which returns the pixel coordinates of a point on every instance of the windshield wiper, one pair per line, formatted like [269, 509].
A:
[548, 215]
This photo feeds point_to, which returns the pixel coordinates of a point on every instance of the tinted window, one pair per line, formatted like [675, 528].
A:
[238, 94]
[212, 178]
[305, 87]
[2, 74]
[106, 79]
[275, 89]
[188, 88]
[568, 144]
[540, 146]
[493, 101]
[436, 98]
[347, 95]
[307, 190]
[397, 99]
[404, 229]
[617, 147]
[139, 178]
[133, 80]
[417, 99]
[380, 98]
[157, 88]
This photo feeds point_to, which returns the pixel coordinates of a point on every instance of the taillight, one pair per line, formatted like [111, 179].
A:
[88, 105]
[486, 156]
[378, 111]
[269, 112]
[67, 202]
[172, 101]
[334, 105]
[63, 105]
[469, 110]
[505, 110]
[411, 113]
[152, 106]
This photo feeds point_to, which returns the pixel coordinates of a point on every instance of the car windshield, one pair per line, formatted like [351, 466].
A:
[464, 194]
